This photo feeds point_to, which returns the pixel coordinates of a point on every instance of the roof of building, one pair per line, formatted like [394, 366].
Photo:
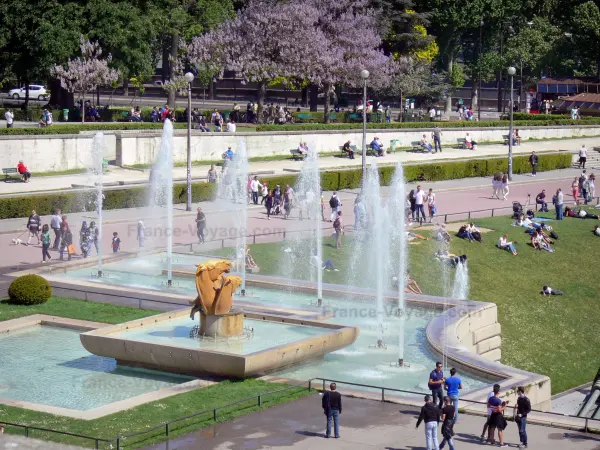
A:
[584, 97]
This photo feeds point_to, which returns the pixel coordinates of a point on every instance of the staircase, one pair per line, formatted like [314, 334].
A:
[593, 160]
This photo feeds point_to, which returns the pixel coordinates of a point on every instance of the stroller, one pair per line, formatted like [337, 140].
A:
[517, 210]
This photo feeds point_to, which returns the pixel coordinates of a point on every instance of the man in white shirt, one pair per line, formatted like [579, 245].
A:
[582, 156]
[10, 118]
[559, 204]
[255, 185]
[231, 126]
[432, 114]
[419, 199]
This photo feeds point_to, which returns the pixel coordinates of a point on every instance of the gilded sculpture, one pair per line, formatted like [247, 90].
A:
[215, 288]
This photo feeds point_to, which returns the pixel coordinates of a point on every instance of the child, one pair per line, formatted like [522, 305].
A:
[45, 243]
[116, 242]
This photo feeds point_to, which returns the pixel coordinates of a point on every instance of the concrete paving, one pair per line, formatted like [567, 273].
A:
[365, 424]
[127, 176]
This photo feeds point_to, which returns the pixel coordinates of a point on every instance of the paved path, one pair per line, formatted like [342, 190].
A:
[127, 176]
[365, 424]
[454, 196]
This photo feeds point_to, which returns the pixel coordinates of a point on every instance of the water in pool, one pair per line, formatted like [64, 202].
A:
[357, 363]
[48, 365]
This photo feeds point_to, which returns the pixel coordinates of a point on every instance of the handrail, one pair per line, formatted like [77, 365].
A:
[97, 440]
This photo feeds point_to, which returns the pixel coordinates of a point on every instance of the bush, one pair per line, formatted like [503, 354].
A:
[555, 121]
[12, 207]
[29, 290]
[74, 128]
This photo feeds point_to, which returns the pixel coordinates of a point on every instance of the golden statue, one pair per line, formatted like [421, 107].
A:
[215, 289]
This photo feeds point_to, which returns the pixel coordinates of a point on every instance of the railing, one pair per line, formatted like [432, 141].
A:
[28, 428]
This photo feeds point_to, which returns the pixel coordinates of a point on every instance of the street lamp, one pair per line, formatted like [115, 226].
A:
[364, 74]
[511, 72]
[189, 78]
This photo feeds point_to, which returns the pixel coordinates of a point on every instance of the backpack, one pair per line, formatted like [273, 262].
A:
[336, 223]
[553, 235]
[333, 202]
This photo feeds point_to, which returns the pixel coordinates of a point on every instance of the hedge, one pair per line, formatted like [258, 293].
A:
[13, 207]
[76, 128]
[421, 125]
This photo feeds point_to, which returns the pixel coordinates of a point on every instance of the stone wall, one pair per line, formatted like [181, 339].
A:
[62, 152]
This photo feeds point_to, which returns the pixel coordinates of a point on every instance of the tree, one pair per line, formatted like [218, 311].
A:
[87, 72]
[586, 34]
[264, 41]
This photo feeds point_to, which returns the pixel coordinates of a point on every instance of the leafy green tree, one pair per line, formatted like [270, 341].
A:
[586, 33]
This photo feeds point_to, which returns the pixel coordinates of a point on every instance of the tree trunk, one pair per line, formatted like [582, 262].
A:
[173, 57]
[304, 99]
[126, 87]
[211, 89]
[166, 64]
[326, 89]
[26, 104]
[314, 97]
[262, 91]
[82, 107]
[450, 69]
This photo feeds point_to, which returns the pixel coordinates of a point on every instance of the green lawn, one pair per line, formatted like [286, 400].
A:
[145, 416]
[556, 336]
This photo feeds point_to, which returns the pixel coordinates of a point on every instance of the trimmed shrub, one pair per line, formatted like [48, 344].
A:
[335, 180]
[29, 290]
[73, 128]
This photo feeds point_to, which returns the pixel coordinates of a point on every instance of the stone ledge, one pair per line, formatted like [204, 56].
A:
[489, 345]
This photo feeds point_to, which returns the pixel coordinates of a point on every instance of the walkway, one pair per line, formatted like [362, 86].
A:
[365, 424]
[120, 175]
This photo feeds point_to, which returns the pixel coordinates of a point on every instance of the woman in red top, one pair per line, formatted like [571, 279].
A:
[25, 173]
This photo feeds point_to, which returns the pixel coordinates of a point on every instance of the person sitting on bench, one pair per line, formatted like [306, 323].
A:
[469, 142]
[426, 145]
[303, 148]
[228, 155]
[23, 171]
[346, 148]
[377, 146]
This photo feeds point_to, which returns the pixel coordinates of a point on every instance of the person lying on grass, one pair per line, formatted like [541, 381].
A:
[539, 242]
[547, 290]
[410, 236]
[579, 214]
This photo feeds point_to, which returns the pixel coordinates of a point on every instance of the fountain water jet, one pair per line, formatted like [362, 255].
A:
[461, 282]
[239, 165]
[97, 172]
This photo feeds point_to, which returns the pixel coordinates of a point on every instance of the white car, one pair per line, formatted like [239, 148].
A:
[35, 91]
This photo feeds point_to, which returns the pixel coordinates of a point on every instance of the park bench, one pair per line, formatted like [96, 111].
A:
[10, 173]
[417, 146]
[303, 117]
[297, 154]
[505, 137]
[355, 117]
[353, 147]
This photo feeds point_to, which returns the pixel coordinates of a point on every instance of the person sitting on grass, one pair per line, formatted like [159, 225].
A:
[539, 242]
[597, 230]
[411, 286]
[347, 148]
[505, 244]
[441, 234]
[475, 233]
[464, 233]
[325, 265]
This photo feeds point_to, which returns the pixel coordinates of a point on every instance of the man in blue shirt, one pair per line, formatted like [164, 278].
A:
[453, 385]
[436, 382]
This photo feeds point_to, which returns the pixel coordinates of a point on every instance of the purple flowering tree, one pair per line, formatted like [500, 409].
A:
[85, 73]
[265, 41]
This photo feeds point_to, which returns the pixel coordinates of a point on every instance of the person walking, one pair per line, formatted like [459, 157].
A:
[94, 236]
[84, 239]
[116, 242]
[338, 226]
[523, 408]
[436, 135]
[591, 187]
[332, 407]
[575, 190]
[431, 205]
[334, 204]
[255, 185]
[264, 192]
[200, 225]
[430, 414]
[453, 386]
[66, 242]
[495, 390]
[560, 200]
[55, 224]
[533, 160]
[582, 156]
[46, 240]
[10, 118]
[33, 225]
[504, 186]
[449, 411]
[436, 381]
[269, 200]
[419, 204]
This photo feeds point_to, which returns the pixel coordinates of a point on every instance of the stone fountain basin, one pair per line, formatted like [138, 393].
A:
[165, 355]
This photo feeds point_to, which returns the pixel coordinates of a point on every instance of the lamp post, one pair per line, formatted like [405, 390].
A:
[364, 74]
[511, 72]
[479, 92]
[189, 77]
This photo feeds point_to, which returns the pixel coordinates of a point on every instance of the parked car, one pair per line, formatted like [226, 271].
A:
[35, 91]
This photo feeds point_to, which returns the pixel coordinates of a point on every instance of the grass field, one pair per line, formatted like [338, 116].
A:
[557, 336]
[145, 416]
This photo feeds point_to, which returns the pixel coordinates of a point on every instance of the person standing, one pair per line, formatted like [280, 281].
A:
[560, 200]
[84, 237]
[419, 200]
[269, 200]
[449, 411]
[436, 135]
[332, 407]
[66, 242]
[55, 224]
[523, 408]
[436, 381]
[504, 186]
[582, 156]
[591, 187]
[496, 420]
[432, 114]
[334, 204]
[10, 118]
[495, 389]
[116, 242]
[254, 187]
[200, 225]
[212, 174]
[533, 160]
[430, 414]
[33, 225]
[431, 205]
[338, 226]
[575, 190]
[46, 240]
[453, 385]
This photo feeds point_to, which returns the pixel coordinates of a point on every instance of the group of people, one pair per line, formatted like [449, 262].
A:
[415, 205]
[500, 188]
[158, 115]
